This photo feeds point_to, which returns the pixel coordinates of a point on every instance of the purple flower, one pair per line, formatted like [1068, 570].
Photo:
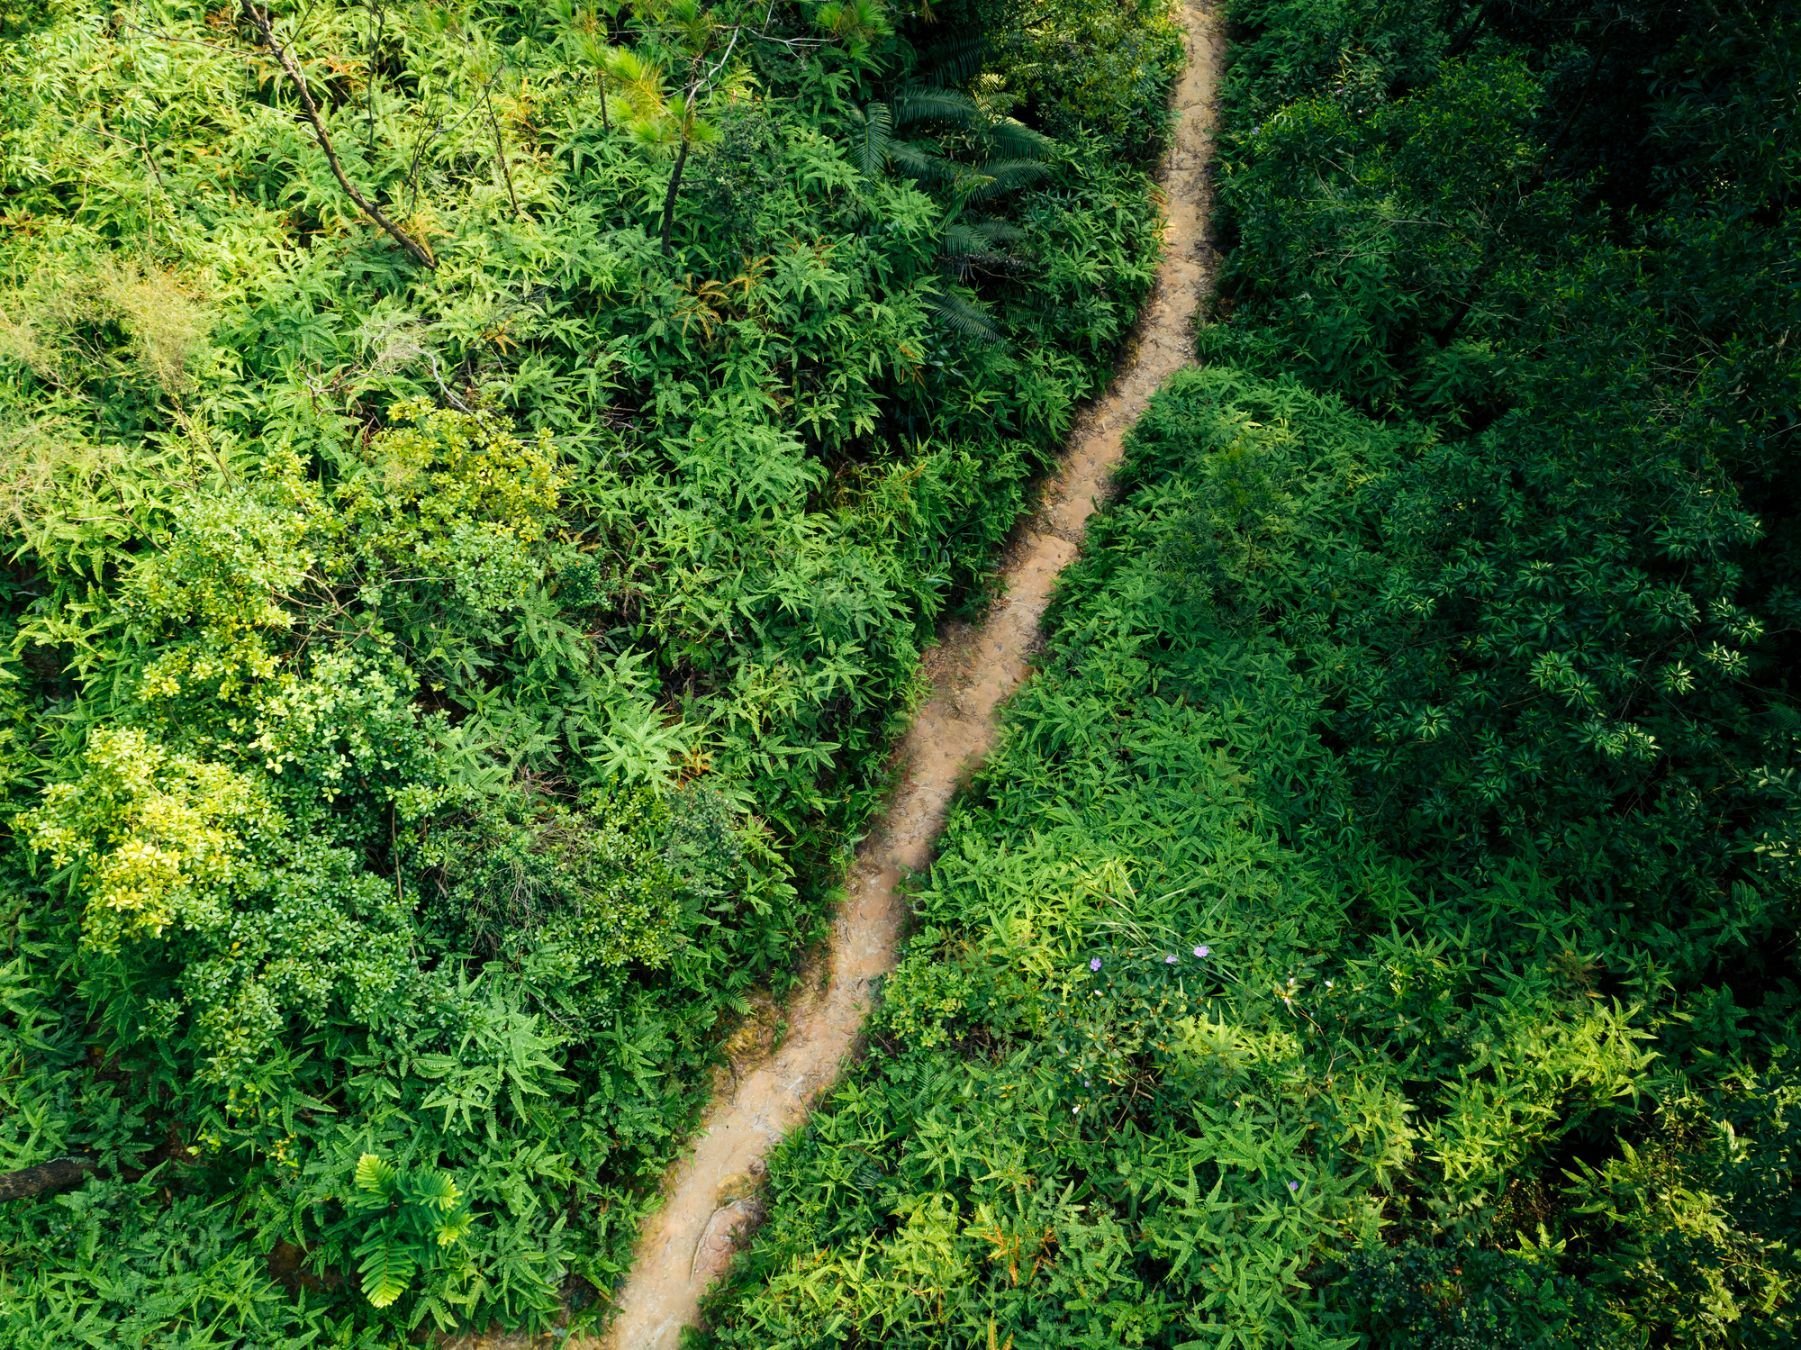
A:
[1202, 952]
[1170, 960]
[1095, 964]
[1293, 1186]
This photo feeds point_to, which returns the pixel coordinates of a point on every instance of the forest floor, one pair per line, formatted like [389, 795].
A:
[711, 1196]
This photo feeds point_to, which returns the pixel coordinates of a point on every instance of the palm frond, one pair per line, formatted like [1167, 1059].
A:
[954, 64]
[963, 316]
[935, 105]
[1015, 140]
[869, 147]
[922, 162]
[997, 232]
[1001, 176]
[968, 248]
[964, 240]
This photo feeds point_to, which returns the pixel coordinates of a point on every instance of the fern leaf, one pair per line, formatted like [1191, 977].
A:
[996, 233]
[964, 317]
[373, 1176]
[969, 246]
[1007, 175]
[916, 161]
[384, 1268]
[870, 150]
[1016, 140]
[455, 1228]
[955, 64]
[963, 240]
[935, 105]
[432, 1188]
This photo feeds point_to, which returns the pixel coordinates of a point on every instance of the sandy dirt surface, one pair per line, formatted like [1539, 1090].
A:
[710, 1197]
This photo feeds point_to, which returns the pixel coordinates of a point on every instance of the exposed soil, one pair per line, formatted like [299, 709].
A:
[711, 1196]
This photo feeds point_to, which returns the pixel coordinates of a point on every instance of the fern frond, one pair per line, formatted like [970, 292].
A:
[430, 1187]
[1015, 140]
[935, 105]
[968, 248]
[917, 161]
[963, 317]
[374, 1176]
[954, 64]
[455, 1228]
[869, 150]
[997, 233]
[1007, 175]
[385, 1269]
[964, 240]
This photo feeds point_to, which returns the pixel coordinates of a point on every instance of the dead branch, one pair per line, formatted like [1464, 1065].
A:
[260, 21]
[46, 1178]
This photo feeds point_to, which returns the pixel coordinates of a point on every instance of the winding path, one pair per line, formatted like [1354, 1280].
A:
[710, 1195]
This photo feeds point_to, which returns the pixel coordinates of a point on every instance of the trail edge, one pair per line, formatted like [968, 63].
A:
[709, 1203]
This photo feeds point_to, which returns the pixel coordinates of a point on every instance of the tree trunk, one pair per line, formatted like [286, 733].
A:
[56, 1175]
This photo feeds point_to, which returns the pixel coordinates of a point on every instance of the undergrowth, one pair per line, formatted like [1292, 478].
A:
[1376, 927]
[466, 548]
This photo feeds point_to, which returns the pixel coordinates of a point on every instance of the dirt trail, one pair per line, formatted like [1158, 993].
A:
[710, 1195]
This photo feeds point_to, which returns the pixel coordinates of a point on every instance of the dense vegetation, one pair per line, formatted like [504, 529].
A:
[1378, 924]
[474, 479]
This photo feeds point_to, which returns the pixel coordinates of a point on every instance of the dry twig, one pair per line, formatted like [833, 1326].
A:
[260, 21]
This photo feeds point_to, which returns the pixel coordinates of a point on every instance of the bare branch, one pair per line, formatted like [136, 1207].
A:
[260, 21]
[500, 151]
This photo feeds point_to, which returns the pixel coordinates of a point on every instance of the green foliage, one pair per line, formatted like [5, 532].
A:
[1097, 69]
[122, 1264]
[1184, 1052]
[431, 699]
[159, 839]
[1583, 596]
[411, 1217]
[1533, 642]
[1374, 928]
[1448, 1299]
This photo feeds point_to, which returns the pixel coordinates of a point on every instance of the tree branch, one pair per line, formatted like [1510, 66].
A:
[56, 1175]
[260, 21]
